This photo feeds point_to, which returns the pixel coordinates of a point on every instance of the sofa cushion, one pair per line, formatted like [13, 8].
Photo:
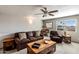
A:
[56, 37]
[30, 34]
[54, 33]
[37, 33]
[22, 36]
[24, 41]
[32, 38]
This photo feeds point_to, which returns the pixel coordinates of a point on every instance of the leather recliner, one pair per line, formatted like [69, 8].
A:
[55, 37]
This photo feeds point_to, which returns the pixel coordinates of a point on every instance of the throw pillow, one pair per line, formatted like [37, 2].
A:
[30, 34]
[22, 36]
[37, 33]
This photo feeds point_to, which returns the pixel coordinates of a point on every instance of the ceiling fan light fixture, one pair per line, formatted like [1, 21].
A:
[46, 12]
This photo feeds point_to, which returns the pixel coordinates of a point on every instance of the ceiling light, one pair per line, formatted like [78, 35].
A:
[30, 19]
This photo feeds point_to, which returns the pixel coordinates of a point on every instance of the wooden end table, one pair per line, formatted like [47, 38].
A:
[67, 39]
[8, 44]
[50, 47]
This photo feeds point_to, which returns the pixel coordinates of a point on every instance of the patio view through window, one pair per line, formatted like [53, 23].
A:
[67, 25]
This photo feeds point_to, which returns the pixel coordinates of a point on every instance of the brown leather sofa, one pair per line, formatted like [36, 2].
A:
[33, 36]
[21, 43]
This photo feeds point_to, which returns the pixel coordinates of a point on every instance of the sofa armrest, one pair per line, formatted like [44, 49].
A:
[51, 35]
[17, 40]
[61, 37]
[24, 41]
[39, 37]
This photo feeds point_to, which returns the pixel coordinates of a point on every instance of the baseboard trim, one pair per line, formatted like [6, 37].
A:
[75, 42]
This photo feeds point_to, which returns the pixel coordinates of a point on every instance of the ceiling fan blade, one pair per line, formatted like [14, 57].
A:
[38, 13]
[51, 14]
[53, 11]
[42, 10]
[45, 8]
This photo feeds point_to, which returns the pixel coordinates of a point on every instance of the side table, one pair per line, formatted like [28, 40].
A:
[8, 44]
[67, 39]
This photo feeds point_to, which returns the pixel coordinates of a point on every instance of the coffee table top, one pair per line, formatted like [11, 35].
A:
[42, 46]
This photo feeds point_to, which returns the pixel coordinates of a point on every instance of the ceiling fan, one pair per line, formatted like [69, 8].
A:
[46, 12]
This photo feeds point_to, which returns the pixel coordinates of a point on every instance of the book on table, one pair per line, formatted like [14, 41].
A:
[36, 45]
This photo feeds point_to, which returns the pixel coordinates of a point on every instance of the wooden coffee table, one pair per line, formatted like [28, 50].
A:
[44, 48]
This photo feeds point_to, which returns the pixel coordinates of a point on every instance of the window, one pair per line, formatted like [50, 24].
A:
[66, 24]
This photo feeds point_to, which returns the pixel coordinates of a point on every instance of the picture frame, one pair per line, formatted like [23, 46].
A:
[49, 25]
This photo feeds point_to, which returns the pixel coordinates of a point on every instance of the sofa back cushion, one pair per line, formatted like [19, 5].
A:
[54, 33]
[37, 33]
[29, 34]
[22, 36]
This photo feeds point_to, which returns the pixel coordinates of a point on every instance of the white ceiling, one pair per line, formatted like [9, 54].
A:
[24, 10]
[64, 10]
[19, 10]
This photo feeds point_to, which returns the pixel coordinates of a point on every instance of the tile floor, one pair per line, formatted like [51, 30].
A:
[63, 48]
